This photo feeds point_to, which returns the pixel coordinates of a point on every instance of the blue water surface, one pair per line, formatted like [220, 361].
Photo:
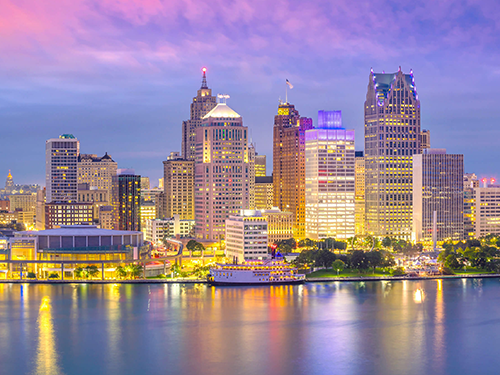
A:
[400, 327]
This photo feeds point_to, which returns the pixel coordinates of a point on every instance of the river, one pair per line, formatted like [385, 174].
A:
[382, 327]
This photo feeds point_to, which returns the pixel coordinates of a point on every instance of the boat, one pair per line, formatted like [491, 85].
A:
[255, 272]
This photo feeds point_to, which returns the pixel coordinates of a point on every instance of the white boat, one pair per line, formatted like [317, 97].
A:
[255, 272]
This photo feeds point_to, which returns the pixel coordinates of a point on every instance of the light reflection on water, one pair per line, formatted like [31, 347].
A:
[391, 327]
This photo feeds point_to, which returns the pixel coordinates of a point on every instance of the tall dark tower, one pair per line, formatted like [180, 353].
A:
[392, 129]
[126, 202]
[202, 103]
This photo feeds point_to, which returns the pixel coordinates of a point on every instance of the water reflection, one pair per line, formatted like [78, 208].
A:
[46, 356]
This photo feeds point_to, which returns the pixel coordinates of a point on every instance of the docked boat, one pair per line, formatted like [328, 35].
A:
[255, 272]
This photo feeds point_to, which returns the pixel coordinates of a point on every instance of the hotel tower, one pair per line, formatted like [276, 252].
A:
[392, 130]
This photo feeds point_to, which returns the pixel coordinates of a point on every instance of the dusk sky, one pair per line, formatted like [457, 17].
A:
[120, 74]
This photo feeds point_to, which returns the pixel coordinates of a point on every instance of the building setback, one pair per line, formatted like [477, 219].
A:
[221, 171]
[438, 187]
[329, 182]
[392, 129]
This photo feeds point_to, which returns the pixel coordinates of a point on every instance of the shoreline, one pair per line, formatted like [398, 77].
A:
[203, 281]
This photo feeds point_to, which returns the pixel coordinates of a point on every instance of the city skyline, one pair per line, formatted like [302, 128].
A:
[122, 69]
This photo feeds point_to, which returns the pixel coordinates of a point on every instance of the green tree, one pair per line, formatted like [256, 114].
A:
[323, 258]
[308, 243]
[399, 271]
[54, 275]
[387, 242]
[358, 260]
[374, 259]
[92, 271]
[31, 275]
[136, 270]
[79, 273]
[338, 266]
[452, 262]
[121, 273]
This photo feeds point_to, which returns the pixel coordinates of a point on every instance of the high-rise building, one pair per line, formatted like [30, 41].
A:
[264, 193]
[251, 176]
[487, 210]
[246, 236]
[260, 166]
[221, 171]
[329, 178]
[96, 197]
[359, 195]
[145, 185]
[61, 169]
[425, 139]
[202, 103]
[438, 196]
[96, 171]
[289, 164]
[470, 182]
[178, 177]
[126, 200]
[40, 210]
[392, 129]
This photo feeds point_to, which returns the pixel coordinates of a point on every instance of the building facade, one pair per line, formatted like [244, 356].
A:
[279, 225]
[202, 103]
[260, 166]
[329, 181]
[392, 129]
[221, 171]
[178, 177]
[61, 169]
[246, 236]
[97, 172]
[264, 197]
[251, 176]
[289, 164]
[159, 229]
[359, 195]
[59, 214]
[470, 183]
[126, 199]
[487, 211]
[438, 193]
[425, 139]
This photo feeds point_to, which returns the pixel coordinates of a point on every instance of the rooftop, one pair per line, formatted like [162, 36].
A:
[222, 110]
[384, 81]
[77, 230]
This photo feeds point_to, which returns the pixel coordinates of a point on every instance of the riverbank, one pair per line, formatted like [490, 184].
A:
[203, 281]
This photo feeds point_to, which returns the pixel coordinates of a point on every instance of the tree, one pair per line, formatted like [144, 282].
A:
[79, 273]
[452, 262]
[338, 266]
[31, 275]
[121, 272]
[374, 259]
[323, 258]
[386, 242]
[358, 260]
[54, 275]
[136, 270]
[92, 271]
[307, 242]
[398, 272]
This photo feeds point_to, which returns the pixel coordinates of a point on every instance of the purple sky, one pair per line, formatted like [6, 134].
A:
[120, 74]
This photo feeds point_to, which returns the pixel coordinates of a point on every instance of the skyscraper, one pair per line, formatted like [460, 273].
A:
[9, 184]
[221, 171]
[470, 183]
[96, 171]
[126, 202]
[61, 169]
[178, 177]
[392, 129]
[329, 179]
[251, 176]
[202, 103]
[260, 165]
[289, 164]
[438, 188]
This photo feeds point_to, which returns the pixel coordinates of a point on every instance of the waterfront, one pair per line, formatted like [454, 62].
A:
[383, 327]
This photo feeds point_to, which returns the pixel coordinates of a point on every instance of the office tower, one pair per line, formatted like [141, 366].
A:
[126, 202]
[425, 139]
[279, 225]
[289, 164]
[145, 185]
[264, 193]
[392, 129]
[246, 236]
[221, 171]
[260, 165]
[438, 190]
[9, 184]
[178, 177]
[251, 176]
[202, 103]
[96, 171]
[470, 182]
[329, 178]
[61, 169]
[359, 195]
[487, 210]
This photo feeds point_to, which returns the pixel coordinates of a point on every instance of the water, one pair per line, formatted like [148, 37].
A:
[403, 327]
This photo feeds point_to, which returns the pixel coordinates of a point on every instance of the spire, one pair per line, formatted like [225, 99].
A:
[204, 79]
[9, 176]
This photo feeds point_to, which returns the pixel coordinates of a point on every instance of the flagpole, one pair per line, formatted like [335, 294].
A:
[286, 93]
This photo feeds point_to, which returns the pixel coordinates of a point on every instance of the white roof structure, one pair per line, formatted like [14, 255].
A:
[222, 110]
[76, 230]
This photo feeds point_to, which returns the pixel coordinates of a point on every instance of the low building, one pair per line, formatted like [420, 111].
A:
[263, 193]
[59, 214]
[279, 225]
[246, 236]
[158, 229]
[4, 205]
[98, 198]
[106, 218]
